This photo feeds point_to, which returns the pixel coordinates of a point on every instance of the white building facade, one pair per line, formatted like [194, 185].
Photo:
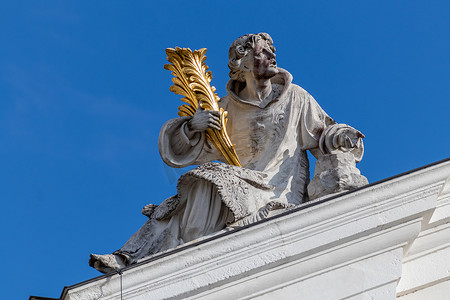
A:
[388, 240]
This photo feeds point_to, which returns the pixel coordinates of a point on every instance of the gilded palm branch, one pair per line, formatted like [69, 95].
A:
[191, 80]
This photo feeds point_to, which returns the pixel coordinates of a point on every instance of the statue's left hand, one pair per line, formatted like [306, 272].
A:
[340, 138]
[347, 139]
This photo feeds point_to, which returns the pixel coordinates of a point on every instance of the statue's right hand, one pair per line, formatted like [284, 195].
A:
[204, 119]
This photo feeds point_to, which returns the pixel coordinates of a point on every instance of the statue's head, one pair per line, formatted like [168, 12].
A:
[244, 56]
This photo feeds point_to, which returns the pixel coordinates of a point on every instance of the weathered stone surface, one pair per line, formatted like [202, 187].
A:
[272, 122]
[335, 173]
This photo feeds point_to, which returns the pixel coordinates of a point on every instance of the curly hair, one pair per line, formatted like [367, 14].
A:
[239, 48]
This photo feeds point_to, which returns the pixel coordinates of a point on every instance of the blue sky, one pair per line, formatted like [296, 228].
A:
[83, 94]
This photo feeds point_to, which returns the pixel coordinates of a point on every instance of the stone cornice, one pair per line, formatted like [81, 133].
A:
[372, 224]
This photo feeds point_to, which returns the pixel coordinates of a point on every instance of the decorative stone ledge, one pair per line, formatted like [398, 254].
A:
[426, 267]
[349, 246]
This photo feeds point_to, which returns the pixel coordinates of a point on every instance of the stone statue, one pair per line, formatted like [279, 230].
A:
[272, 122]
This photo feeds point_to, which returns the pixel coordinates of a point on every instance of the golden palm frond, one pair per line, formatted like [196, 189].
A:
[192, 81]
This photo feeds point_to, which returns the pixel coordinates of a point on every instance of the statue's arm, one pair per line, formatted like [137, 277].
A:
[313, 122]
[175, 147]
[321, 135]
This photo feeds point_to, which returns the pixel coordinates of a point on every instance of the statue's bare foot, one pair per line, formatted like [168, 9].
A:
[106, 263]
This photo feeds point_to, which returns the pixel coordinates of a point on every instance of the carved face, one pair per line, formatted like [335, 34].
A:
[264, 63]
[260, 61]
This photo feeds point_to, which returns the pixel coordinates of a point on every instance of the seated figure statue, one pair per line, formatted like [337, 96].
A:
[272, 122]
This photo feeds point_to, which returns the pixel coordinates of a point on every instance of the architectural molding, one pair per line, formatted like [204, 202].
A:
[372, 243]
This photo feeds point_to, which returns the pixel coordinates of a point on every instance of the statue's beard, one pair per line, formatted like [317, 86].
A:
[265, 73]
[264, 68]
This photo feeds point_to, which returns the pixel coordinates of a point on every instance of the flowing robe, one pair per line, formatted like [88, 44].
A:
[271, 140]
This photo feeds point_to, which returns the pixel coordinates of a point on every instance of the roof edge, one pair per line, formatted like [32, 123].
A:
[203, 241]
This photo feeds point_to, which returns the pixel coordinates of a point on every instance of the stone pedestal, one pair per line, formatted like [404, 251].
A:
[389, 239]
[335, 173]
